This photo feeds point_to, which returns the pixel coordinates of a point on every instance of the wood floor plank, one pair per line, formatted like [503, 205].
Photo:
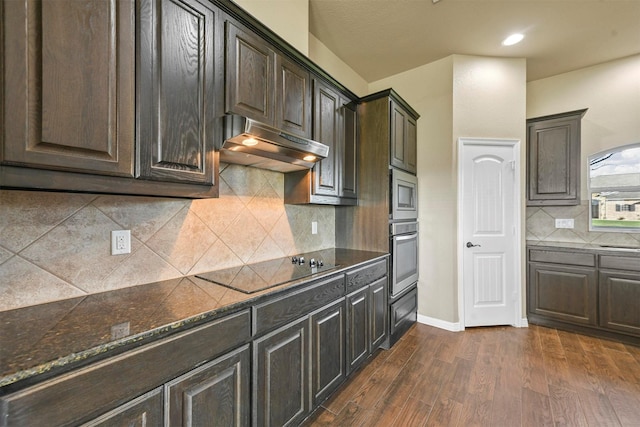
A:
[583, 370]
[413, 414]
[476, 411]
[402, 386]
[628, 367]
[532, 364]
[374, 388]
[536, 409]
[484, 374]
[448, 349]
[457, 387]
[429, 386]
[597, 409]
[445, 412]
[555, 362]
[352, 415]
[566, 408]
[627, 406]
[338, 401]
[383, 415]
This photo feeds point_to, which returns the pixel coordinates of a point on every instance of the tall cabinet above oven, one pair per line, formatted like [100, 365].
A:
[386, 218]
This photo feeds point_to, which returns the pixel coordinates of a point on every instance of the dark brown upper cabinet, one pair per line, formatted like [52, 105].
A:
[69, 85]
[293, 97]
[403, 139]
[264, 85]
[327, 107]
[250, 68]
[108, 97]
[553, 159]
[333, 180]
[179, 79]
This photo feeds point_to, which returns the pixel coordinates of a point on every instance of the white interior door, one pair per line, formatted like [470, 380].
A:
[489, 215]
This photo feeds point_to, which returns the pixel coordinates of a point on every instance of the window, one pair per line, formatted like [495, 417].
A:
[614, 187]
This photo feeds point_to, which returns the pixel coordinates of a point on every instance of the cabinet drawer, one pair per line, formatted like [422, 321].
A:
[620, 263]
[404, 313]
[89, 391]
[291, 306]
[366, 275]
[557, 257]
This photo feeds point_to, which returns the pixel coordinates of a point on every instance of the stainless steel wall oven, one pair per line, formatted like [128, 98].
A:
[404, 255]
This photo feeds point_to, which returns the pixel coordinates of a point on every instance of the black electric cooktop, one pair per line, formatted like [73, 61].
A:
[250, 278]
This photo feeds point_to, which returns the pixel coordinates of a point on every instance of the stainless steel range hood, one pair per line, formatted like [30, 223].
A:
[251, 143]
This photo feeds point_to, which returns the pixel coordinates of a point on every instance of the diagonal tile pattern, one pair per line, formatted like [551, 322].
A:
[541, 227]
[57, 245]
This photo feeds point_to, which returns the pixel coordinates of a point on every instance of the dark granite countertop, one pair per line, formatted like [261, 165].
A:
[586, 247]
[41, 341]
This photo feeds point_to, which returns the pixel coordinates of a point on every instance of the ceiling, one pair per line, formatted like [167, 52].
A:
[380, 38]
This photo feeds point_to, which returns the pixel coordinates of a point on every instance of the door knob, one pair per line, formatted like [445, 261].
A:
[471, 245]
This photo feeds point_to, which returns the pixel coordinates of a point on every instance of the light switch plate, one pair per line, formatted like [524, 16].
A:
[314, 227]
[564, 223]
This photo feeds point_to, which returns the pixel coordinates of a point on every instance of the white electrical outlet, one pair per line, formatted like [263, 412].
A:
[120, 242]
[314, 227]
[564, 223]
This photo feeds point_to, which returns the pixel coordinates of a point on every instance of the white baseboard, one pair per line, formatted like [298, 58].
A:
[442, 324]
[454, 327]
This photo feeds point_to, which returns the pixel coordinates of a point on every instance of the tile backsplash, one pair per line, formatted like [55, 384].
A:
[57, 245]
[541, 227]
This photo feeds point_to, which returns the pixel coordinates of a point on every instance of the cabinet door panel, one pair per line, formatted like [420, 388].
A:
[281, 376]
[327, 351]
[553, 159]
[619, 296]
[177, 75]
[349, 165]
[293, 98]
[379, 310]
[146, 410]
[357, 328]
[563, 293]
[215, 394]
[250, 75]
[412, 145]
[69, 81]
[398, 136]
[326, 129]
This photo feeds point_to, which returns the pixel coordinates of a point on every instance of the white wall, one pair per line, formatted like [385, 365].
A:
[338, 69]
[611, 92]
[459, 96]
[287, 18]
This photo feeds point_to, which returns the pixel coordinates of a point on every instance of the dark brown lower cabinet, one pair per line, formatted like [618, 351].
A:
[357, 328]
[146, 410]
[378, 313]
[215, 394]
[281, 375]
[328, 367]
[619, 297]
[366, 321]
[563, 292]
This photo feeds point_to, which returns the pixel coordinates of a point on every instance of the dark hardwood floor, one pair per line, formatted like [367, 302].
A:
[499, 376]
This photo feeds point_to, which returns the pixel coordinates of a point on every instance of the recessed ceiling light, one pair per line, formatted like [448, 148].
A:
[512, 39]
